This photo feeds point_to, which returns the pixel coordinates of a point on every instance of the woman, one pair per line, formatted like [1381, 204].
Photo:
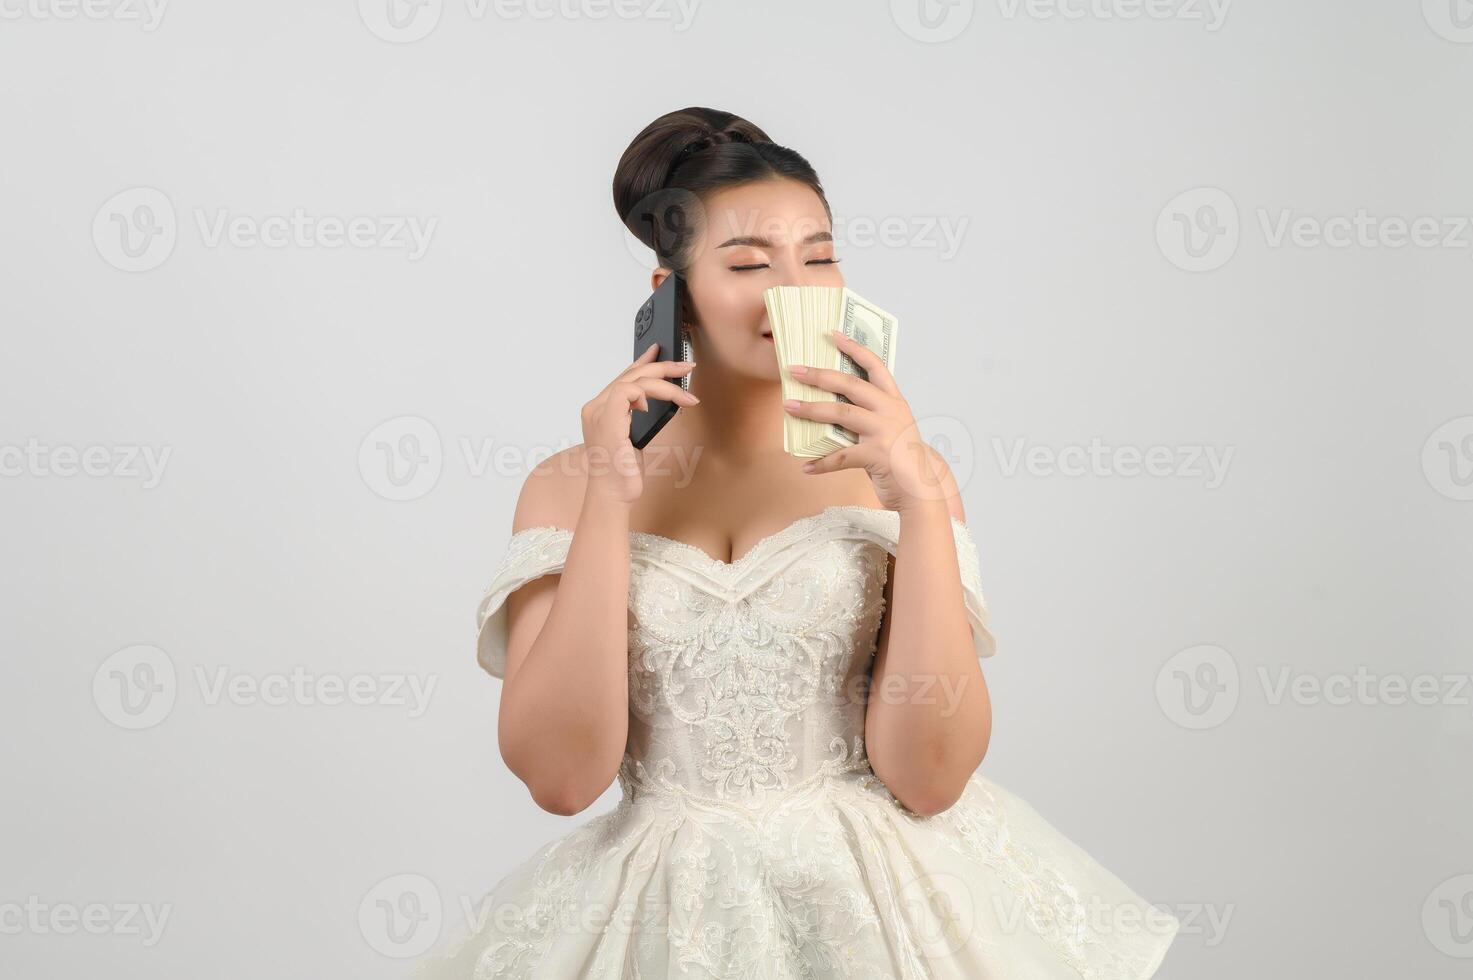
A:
[779, 662]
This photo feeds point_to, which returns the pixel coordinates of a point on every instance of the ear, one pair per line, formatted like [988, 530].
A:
[659, 276]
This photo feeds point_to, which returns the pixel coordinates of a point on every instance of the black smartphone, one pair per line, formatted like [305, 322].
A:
[660, 321]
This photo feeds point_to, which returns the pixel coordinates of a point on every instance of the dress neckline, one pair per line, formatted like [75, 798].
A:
[793, 528]
[650, 541]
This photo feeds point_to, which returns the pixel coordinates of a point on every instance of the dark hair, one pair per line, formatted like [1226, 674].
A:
[678, 158]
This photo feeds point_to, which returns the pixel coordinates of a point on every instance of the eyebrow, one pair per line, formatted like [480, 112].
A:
[756, 241]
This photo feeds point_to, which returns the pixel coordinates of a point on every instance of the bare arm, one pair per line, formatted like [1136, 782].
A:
[565, 701]
[929, 718]
[564, 720]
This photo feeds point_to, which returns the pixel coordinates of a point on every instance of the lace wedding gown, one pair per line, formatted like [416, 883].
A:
[753, 841]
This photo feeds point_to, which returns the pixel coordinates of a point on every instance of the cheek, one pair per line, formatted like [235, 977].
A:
[829, 275]
[735, 301]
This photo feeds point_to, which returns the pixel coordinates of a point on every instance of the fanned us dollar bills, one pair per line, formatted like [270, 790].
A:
[801, 318]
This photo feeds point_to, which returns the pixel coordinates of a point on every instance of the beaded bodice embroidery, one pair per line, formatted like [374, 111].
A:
[747, 678]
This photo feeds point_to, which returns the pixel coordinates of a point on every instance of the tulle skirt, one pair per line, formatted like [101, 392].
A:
[836, 880]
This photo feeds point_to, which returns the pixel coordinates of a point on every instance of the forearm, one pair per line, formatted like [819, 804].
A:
[929, 717]
[565, 713]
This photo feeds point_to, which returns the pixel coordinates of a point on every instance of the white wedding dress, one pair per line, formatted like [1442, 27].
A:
[752, 840]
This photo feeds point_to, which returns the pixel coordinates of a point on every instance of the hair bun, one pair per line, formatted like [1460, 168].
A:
[675, 161]
[706, 142]
[650, 161]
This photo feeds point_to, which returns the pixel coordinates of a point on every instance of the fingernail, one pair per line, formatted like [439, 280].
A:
[798, 369]
[790, 403]
[808, 467]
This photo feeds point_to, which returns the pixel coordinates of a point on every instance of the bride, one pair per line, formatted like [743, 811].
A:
[780, 663]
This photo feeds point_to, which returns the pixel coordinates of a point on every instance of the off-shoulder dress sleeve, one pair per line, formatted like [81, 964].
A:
[883, 527]
[971, 575]
[531, 553]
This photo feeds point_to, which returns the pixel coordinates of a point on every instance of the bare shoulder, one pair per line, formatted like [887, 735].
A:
[552, 494]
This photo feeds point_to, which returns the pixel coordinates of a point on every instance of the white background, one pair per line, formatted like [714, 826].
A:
[1332, 837]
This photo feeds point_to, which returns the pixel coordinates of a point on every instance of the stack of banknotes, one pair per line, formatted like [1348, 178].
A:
[801, 318]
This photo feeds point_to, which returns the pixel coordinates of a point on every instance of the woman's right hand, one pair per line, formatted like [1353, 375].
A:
[614, 465]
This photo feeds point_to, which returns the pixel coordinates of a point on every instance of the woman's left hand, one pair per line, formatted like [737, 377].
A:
[904, 469]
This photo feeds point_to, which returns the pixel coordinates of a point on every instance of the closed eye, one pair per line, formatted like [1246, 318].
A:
[750, 268]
